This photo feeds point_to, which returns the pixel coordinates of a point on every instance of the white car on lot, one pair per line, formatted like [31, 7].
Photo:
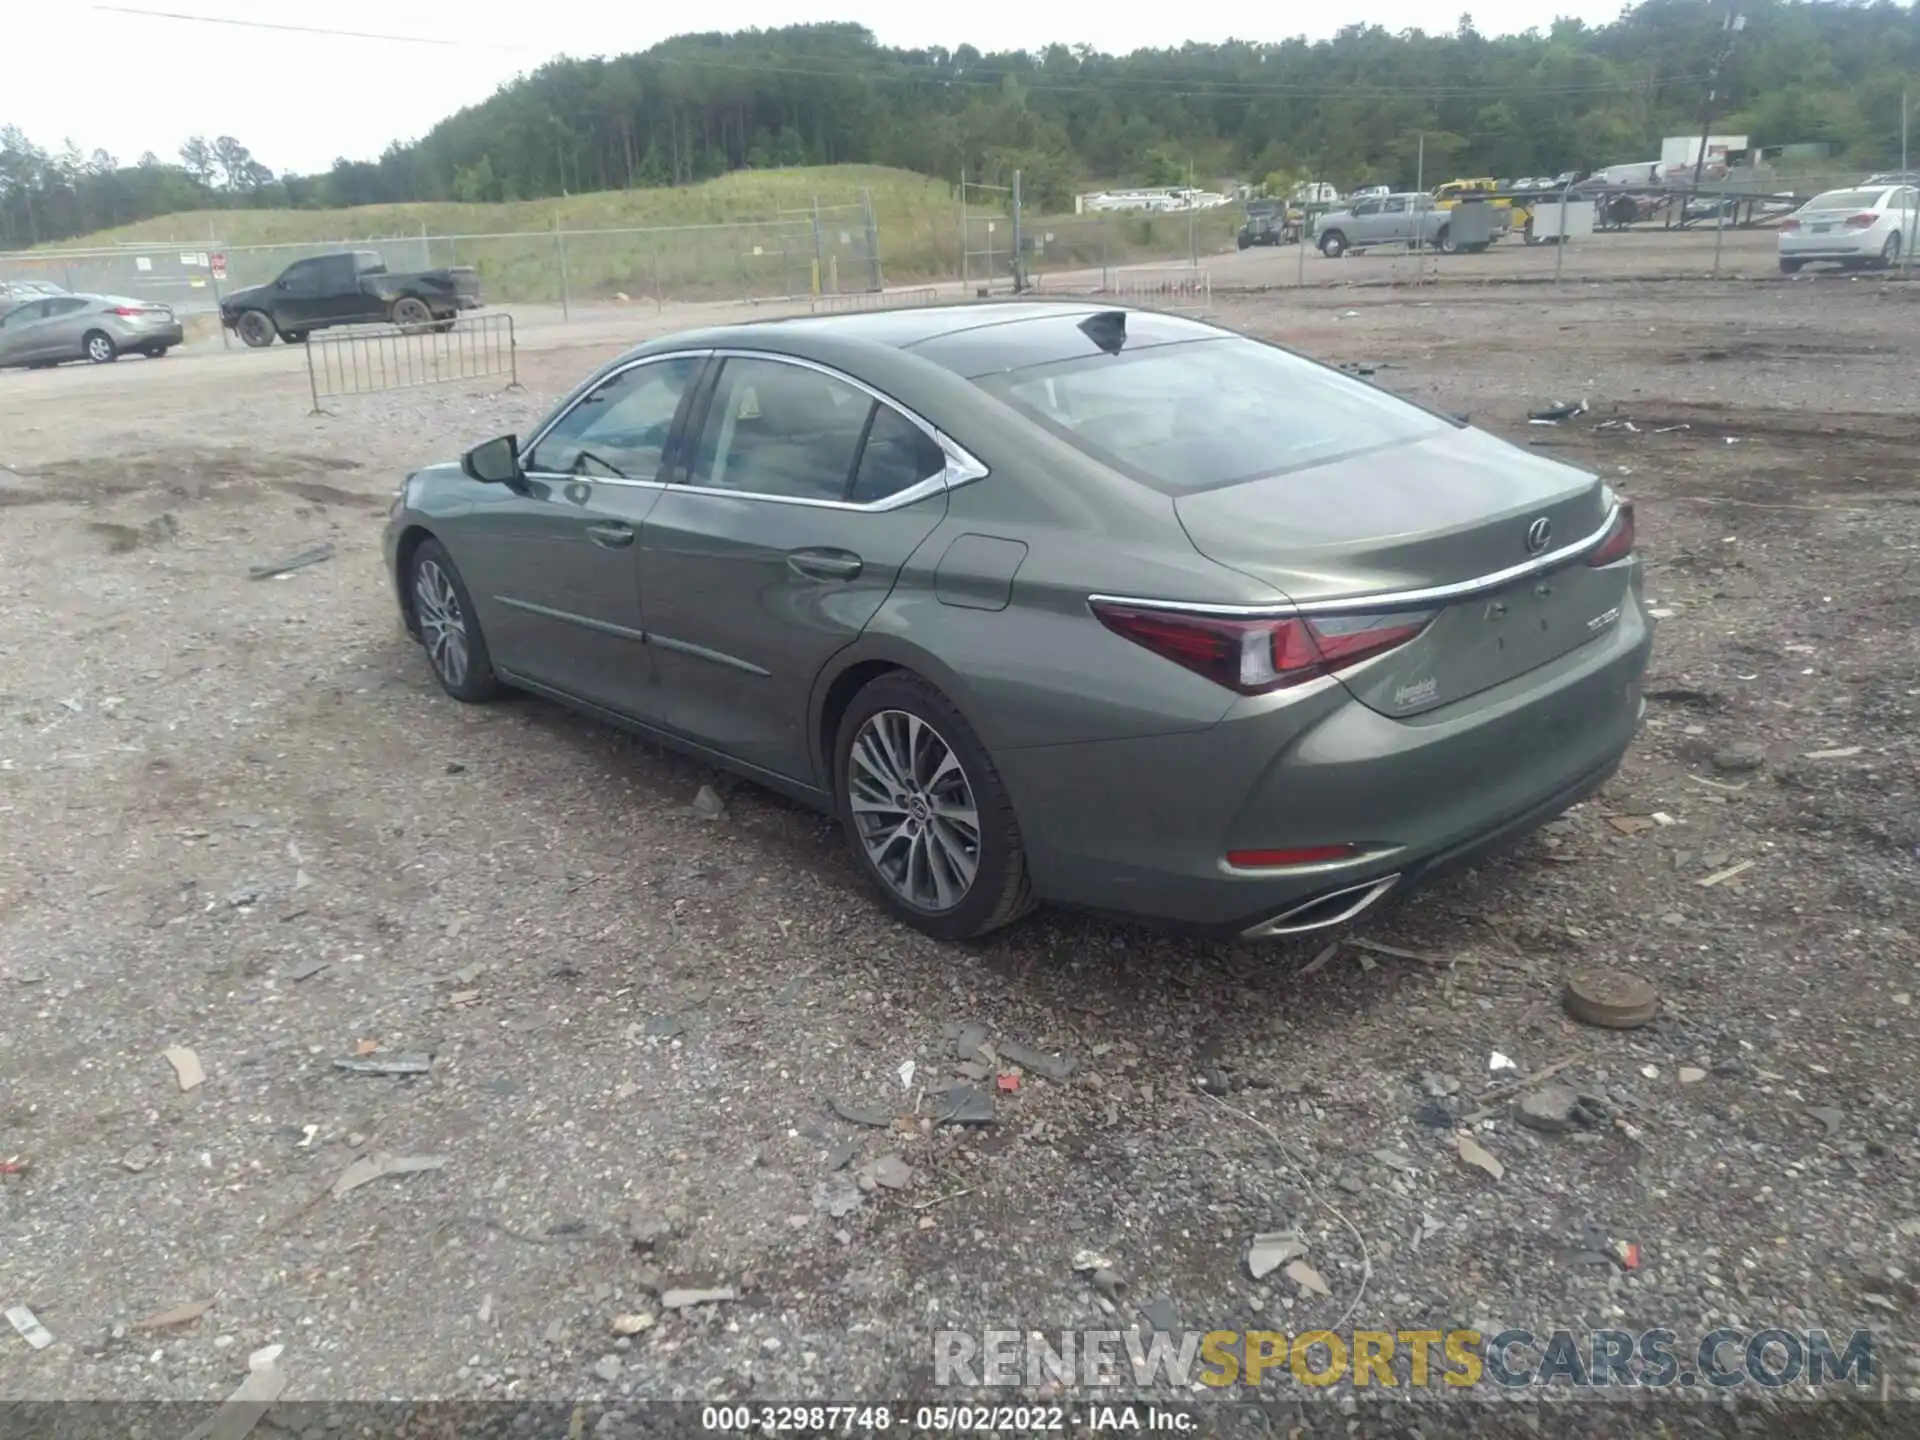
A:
[1864, 226]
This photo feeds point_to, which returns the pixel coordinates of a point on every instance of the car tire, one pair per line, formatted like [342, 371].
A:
[156, 352]
[255, 328]
[1443, 241]
[411, 314]
[448, 627]
[1791, 267]
[916, 863]
[1890, 252]
[294, 337]
[98, 348]
[1333, 245]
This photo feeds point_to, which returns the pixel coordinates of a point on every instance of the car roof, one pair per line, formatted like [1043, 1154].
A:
[967, 339]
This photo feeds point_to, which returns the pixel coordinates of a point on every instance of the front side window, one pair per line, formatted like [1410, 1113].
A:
[303, 277]
[781, 430]
[1202, 413]
[24, 314]
[619, 430]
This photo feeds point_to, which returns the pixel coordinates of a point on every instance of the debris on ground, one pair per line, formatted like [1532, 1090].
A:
[28, 1326]
[1008, 1082]
[378, 1167]
[631, 1324]
[1691, 1074]
[1845, 752]
[838, 1196]
[858, 1115]
[1307, 1278]
[1611, 999]
[967, 1040]
[1108, 1284]
[248, 1404]
[1560, 410]
[186, 1066]
[646, 1230]
[708, 805]
[1050, 1067]
[15, 1165]
[962, 1105]
[889, 1172]
[685, 1299]
[1269, 1252]
[1722, 876]
[266, 570]
[177, 1315]
[665, 1027]
[1474, 1153]
[1162, 1315]
[1739, 757]
[138, 1157]
[841, 1156]
[1319, 961]
[1085, 1262]
[1556, 1109]
[607, 1368]
[1395, 1160]
[1829, 1117]
[1496, 1062]
[405, 1063]
[1438, 1085]
[1398, 952]
[306, 969]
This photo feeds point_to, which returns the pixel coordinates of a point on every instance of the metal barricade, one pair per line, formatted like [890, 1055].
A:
[373, 359]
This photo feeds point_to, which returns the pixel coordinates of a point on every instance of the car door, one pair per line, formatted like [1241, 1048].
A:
[551, 563]
[301, 289]
[790, 511]
[1396, 220]
[62, 333]
[20, 331]
[1366, 224]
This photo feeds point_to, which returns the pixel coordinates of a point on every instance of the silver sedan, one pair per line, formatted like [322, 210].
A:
[95, 328]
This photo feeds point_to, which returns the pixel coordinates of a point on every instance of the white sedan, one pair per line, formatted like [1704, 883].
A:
[1867, 226]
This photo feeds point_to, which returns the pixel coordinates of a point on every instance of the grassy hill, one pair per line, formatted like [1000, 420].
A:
[747, 233]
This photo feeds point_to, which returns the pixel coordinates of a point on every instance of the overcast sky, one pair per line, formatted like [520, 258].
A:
[299, 100]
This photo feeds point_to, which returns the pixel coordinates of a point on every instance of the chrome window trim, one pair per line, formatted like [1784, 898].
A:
[1381, 600]
[579, 393]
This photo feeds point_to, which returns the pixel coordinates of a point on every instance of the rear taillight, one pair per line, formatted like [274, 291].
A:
[1790, 223]
[130, 310]
[1865, 220]
[1257, 656]
[1619, 542]
[1282, 859]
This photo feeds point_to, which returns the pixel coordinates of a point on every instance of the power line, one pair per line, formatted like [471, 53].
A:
[306, 29]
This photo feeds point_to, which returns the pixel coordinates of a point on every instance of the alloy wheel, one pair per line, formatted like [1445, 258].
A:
[99, 349]
[443, 626]
[914, 811]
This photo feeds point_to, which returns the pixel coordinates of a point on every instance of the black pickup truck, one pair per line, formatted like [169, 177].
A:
[351, 288]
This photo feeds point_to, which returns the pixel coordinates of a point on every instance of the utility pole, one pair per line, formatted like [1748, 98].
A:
[1732, 25]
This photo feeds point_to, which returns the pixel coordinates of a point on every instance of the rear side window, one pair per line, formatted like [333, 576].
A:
[898, 454]
[1192, 416]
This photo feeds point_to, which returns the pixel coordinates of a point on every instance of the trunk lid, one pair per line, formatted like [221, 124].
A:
[1444, 511]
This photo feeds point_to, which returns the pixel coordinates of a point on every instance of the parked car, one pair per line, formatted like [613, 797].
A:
[351, 288]
[1045, 602]
[1851, 228]
[96, 328]
[1387, 220]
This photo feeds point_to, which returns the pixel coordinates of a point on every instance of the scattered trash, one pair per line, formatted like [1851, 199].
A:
[1008, 1082]
[854, 1115]
[1474, 1153]
[1319, 961]
[376, 1167]
[15, 1165]
[406, 1063]
[1162, 1314]
[28, 1325]
[1845, 752]
[461, 998]
[962, 1105]
[1497, 1061]
[179, 1315]
[708, 805]
[306, 969]
[1397, 952]
[1087, 1261]
[186, 1066]
[1631, 824]
[1395, 1160]
[1051, 1067]
[1612, 999]
[248, 1404]
[665, 1027]
[631, 1324]
[906, 1075]
[139, 1157]
[1307, 1278]
[268, 569]
[1829, 1117]
[1555, 413]
[1727, 874]
[1557, 1109]
[1660, 817]
[1269, 1252]
[684, 1299]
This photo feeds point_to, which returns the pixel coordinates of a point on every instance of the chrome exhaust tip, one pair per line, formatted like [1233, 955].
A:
[1334, 908]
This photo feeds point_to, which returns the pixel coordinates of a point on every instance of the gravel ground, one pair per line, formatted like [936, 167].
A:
[239, 817]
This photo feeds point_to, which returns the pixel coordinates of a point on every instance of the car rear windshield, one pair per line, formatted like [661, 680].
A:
[1203, 413]
[1846, 200]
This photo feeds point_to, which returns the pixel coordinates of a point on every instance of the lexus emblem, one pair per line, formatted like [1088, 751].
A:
[1538, 534]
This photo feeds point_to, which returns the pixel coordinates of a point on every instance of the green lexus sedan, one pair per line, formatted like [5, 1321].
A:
[1051, 602]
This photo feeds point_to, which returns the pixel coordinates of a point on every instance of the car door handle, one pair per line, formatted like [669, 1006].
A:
[824, 564]
[610, 535]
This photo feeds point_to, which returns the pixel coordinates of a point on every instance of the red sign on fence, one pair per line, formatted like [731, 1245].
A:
[218, 264]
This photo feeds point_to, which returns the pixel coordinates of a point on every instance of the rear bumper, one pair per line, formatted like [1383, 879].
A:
[149, 336]
[1141, 827]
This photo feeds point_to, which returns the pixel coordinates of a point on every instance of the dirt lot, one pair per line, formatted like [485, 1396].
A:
[210, 785]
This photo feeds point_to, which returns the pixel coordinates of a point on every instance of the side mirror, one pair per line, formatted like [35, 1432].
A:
[497, 462]
[283, 284]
